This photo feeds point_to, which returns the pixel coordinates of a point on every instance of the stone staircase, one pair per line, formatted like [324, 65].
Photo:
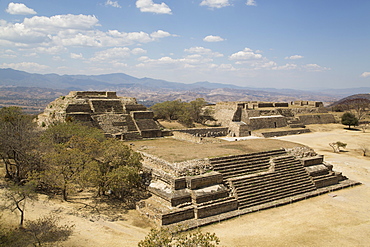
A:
[239, 165]
[287, 178]
[264, 177]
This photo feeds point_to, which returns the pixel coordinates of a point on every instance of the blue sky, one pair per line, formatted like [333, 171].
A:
[300, 44]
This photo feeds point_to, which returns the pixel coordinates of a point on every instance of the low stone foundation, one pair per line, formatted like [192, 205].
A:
[282, 133]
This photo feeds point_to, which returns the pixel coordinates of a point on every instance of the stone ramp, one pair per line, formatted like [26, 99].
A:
[287, 178]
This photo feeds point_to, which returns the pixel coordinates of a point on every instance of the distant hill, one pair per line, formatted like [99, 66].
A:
[351, 97]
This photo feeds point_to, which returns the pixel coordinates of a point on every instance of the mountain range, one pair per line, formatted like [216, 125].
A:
[153, 90]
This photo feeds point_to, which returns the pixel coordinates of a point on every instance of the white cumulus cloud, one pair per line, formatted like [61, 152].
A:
[251, 3]
[70, 30]
[57, 22]
[215, 3]
[19, 9]
[112, 3]
[160, 34]
[294, 57]
[203, 51]
[246, 54]
[211, 38]
[150, 6]
[365, 74]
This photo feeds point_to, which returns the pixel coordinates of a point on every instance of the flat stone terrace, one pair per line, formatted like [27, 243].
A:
[173, 150]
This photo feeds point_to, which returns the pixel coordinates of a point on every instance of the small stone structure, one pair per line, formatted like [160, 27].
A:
[199, 192]
[120, 117]
[244, 117]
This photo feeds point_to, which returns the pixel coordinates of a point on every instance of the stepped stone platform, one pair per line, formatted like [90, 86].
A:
[223, 187]
[120, 117]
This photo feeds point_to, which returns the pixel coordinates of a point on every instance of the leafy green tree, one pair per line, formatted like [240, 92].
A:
[168, 110]
[65, 166]
[117, 169]
[19, 142]
[167, 237]
[61, 133]
[349, 119]
[185, 113]
[197, 109]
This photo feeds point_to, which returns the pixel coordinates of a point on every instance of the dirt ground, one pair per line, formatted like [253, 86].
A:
[340, 218]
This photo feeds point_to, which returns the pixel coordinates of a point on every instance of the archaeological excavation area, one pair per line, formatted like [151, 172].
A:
[196, 177]
[229, 179]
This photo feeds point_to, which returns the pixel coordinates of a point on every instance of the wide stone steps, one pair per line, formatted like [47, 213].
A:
[255, 163]
[234, 166]
[270, 176]
[219, 160]
[286, 178]
[267, 184]
[274, 196]
[269, 188]
[272, 190]
[240, 170]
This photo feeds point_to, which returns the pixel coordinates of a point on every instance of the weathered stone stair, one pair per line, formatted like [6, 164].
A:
[239, 165]
[264, 177]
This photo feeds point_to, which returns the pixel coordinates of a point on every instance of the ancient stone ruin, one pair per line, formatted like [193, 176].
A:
[198, 192]
[120, 117]
[244, 117]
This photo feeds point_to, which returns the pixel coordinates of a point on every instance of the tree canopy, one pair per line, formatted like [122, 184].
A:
[18, 143]
[186, 113]
[349, 119]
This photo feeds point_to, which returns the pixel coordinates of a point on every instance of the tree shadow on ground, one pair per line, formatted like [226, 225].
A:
[352, 129]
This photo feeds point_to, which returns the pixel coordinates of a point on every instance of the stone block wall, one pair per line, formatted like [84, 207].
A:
[267, 122]
[205, 132]
[142, 114]
[317, 119]
[204, 180]
[93, 94]
[216, 208]
[104, 106]
[134, 107]
[78, 108]
[186, 137]
[283, 133]
[309, 161]
[177, 216]
[239, 129]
